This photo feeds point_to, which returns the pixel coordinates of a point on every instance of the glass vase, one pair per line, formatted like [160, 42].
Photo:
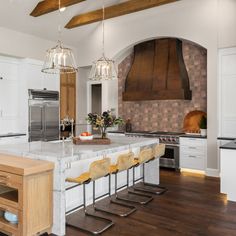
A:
[103, 132]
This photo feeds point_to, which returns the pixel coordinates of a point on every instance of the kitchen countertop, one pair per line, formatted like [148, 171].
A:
[57, 150]
[230, 145]
[154, 135]
[193, 136]
[226, 138]
[117, 132]
[11, 135]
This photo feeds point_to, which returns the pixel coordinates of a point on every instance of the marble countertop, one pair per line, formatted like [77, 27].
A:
[143, 134]
[193, 136]
[58, 150]
[226, 138]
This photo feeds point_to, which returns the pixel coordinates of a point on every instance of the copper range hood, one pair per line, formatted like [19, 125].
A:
[158, 72]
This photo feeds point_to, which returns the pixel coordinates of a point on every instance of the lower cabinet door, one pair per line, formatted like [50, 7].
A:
[192, 161]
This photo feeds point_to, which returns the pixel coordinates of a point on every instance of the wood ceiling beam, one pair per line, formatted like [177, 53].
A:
[115, 11]
[48, 6]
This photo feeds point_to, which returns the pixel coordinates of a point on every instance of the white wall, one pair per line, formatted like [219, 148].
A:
[17, 44]
[227, 23]
[210, 23]
[81, 101]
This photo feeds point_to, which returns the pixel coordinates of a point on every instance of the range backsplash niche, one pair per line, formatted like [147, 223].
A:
[166, 115]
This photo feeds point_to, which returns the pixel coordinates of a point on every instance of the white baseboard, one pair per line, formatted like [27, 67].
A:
[212, 172]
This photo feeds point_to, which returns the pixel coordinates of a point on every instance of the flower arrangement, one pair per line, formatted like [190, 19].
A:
[103, 121]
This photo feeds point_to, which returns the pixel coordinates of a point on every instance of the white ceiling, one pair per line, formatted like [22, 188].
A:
[14, 14]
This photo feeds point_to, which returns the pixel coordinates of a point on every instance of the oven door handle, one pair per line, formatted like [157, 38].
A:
[171, 145]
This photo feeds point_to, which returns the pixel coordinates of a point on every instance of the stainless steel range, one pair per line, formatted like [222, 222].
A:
[171, 139]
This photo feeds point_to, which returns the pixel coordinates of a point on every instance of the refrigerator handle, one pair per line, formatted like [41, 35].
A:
[44, 126]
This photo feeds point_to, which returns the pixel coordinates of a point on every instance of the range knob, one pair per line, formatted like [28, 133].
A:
[163, 139]
[174, 140]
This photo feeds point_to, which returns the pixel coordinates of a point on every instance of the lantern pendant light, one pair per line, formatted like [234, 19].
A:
[59, 59]
[104, 68]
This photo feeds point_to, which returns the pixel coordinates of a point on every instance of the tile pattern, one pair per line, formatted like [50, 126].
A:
[167, 115]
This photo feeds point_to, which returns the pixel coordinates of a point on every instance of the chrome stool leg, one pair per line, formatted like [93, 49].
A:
[108, 222]
[142, 199]
[147, 187]
[131, 209]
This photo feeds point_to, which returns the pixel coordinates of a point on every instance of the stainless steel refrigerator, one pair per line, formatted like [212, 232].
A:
[43, 115]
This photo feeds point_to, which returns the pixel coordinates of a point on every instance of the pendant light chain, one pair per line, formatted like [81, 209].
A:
[59, 26]
[103, 29]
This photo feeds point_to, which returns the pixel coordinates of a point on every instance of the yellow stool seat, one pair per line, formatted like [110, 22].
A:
[124, 162]
[136, 162]
[97, 170]
[113, 169]
[81, 179]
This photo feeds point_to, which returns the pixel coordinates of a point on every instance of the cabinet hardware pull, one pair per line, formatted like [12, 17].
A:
[192, 156]
[192, 147]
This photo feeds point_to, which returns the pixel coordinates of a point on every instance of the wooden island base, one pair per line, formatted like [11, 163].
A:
[26, 188]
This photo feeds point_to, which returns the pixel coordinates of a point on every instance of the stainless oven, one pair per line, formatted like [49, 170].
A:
[170, 139]
[171, 157]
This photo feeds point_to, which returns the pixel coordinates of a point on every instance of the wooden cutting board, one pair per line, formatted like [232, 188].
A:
[192, 120]
[95, 141]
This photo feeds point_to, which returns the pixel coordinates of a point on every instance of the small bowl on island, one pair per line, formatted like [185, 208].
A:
[86, 136]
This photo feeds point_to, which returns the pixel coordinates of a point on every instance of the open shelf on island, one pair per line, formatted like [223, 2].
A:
[9, 194]
[6, 226]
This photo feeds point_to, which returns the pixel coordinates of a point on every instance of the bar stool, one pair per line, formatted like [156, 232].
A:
[129, 209]
[145, 156]
[125, 162]
[97, 169]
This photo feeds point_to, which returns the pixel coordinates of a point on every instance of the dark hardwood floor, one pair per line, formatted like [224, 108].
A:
[191, 207]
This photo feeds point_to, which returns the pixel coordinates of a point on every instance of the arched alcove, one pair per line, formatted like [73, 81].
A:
[165, 115]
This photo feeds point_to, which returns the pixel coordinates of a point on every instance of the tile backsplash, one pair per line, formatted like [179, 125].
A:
[167, 115]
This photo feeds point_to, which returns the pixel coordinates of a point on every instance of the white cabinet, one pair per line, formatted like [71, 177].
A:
[226, 93]
[13, 140]
[31, 77]
[16, 77]
[36, 79]
[227, 173]
[8, 89]
[9, 94]
[193, 153]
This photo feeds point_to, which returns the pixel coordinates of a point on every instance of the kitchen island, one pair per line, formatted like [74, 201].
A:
[71, 160]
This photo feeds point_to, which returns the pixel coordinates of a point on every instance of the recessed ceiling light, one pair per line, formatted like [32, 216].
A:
[62, 9]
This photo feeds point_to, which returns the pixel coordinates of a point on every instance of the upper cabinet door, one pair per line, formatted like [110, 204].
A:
[34, 76]
[51, 81]
[9, 71]
[227, 94]
[36, 79]
[9, 89]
